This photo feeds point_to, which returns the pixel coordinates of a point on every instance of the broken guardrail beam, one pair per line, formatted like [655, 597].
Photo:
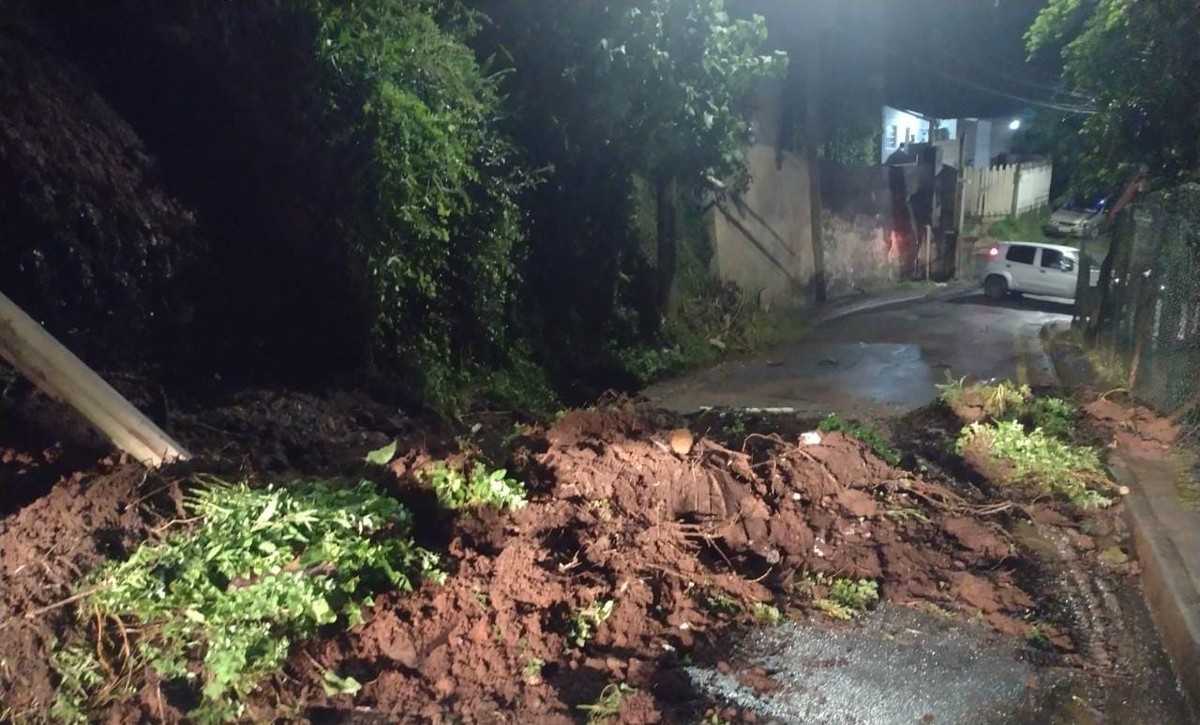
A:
[54, 369]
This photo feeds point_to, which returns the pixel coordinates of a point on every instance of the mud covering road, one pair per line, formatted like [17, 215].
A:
[680, 535]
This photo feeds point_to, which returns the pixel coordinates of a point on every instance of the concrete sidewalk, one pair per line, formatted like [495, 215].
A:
[1166, 533]
[900, 294]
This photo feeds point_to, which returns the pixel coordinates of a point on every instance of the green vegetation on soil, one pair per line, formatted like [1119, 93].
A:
[456, 489]
[1041, 461]
[584, 622]
[844, 598]
[257, 570]
[608, 705]
[873, 438]
[1033, 436]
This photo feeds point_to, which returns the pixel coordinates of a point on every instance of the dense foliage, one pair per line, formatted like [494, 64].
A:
[435, 221]
[1140, 63]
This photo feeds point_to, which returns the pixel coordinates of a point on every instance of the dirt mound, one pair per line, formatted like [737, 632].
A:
[643, 548]
[1135, 429]
[657, 553]
[46, 548]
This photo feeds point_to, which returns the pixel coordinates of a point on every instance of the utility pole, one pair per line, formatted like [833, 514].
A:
[814, 34]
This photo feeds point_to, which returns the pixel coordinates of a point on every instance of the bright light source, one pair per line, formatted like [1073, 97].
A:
[1014, 124]
[994, 252]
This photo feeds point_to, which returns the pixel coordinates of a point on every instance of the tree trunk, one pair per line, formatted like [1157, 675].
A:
[665, 238]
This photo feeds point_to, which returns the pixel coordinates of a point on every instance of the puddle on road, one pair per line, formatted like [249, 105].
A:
[897, 666]
[901, 665]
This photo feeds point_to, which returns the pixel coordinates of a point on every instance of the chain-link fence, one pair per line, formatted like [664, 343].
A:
[1144, 314]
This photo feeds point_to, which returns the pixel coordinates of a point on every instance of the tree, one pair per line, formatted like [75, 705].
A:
[1140, 63]
[434, 217]
[598, 95]
[686, 68]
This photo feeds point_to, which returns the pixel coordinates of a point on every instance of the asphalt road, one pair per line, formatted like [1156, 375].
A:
[899, 666]
[883, 362]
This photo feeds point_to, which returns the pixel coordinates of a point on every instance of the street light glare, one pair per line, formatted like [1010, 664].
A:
[1014, 124]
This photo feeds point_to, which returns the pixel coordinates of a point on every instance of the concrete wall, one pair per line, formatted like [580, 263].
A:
[762, 241]
[977, 140]
[856, 227]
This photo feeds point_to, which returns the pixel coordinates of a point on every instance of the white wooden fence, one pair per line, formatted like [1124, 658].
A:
[1007, 190]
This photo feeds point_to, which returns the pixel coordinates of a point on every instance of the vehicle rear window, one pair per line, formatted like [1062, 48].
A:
[1021, 254]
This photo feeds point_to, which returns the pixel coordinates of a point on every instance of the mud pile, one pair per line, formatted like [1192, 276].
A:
[686, 538]
[643, 548]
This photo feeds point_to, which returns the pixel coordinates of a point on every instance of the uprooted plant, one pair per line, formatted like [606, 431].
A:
[585, 622]
[608, 704]
[218, 605]
[456, 489]
[1008, 401]
[997, 400]
[1040, 461]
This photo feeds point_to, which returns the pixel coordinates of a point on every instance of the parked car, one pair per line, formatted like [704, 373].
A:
[1033, 268]
[1077, 220]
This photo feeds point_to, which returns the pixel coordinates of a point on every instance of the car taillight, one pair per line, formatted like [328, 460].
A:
[994, 252]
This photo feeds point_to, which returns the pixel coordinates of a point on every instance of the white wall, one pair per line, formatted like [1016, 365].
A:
[764, 244]
[901, 127]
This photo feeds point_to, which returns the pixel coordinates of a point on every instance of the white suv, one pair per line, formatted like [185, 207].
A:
[1032, 268]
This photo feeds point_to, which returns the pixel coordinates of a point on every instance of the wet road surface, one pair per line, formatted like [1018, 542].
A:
[901, 666]
[881, 363]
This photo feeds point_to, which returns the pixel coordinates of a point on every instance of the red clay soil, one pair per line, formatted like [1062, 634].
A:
[672, 540]
[684, 545]
[1137, 430]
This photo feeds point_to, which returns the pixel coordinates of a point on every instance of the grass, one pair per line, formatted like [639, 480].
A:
[1041, 461]
[868, 435]
[1025, 227]
[218, 605]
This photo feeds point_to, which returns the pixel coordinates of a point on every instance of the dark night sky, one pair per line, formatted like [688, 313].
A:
[954, 58]
[942, 58]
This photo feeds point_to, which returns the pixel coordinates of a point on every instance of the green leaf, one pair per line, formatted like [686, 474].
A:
[382, 456]
[337, 685]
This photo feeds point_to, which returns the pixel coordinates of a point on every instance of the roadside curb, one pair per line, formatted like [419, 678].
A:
[1169, 588]
[951, 290]
[1170, 566]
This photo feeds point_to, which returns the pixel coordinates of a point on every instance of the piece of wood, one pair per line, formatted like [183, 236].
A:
[55, 370]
